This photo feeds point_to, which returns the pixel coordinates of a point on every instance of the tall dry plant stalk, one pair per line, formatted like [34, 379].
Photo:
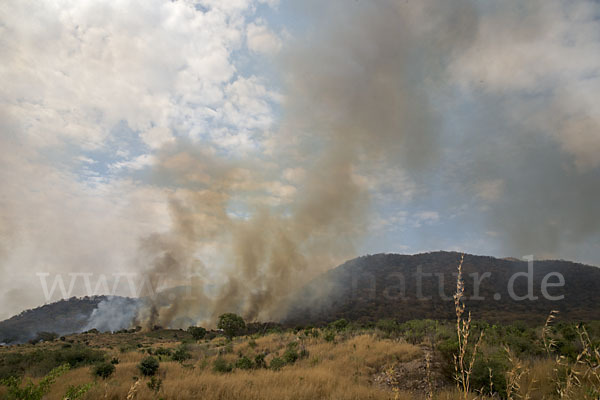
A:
[590, 360]
[570, 376]
[133, 390]
[549, 343]
[390, 374]
[463, 364]
[491, 376]
[429, 378]
[514, 376]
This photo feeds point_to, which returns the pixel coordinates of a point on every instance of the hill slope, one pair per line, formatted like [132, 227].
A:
[367, 289]
[381, 286]
[69, 316]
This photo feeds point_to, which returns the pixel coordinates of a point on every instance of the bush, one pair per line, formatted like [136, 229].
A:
[32, 391]
[114, 361]
[231, 324]
[181, 354]
[40, 362]
[388, 326]
[259, 361]
[244, 363]
[339, 325]
[197, 332]
[303, 353]
[480, 377]
[78, 356]
[415, 331]
[104, 370]
[291, 355]
[161, 351]
[222, 366]
[329, 336]
[78, 391]
[276, 364]
[148, 366]
[154, 384]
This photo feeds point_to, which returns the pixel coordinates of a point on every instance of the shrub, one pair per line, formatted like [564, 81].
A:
[259, 361]
[276, 364]
[329, 336]
[40, 362]
[114, 361]
[387, 326]
[415, 331]
[148, 366]
[290, 356]
[303, 353]
[480, 377]
[181, 354]
[77, 356]
[339, 325]
[197, 332]
[231, 324]
[104, 370]
[220, 365]
[244, 363]
[161, 351]
[228, 349]
[155, 384]
[78, 391]
[32, 391]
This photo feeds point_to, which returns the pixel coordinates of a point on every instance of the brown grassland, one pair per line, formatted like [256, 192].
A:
[416, 360]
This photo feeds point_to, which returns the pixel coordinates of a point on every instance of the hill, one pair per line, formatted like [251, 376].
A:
[69, 316]
[383, 286]
[367, 289]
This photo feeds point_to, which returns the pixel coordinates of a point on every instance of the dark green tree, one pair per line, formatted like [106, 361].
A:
[104, 370]
[149, 366]
[231, 324]
[197, 332]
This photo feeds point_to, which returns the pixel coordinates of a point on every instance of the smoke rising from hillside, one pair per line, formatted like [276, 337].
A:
[357, 90]
[401, 126]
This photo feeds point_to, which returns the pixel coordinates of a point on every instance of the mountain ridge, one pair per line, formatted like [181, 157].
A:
[365, 289]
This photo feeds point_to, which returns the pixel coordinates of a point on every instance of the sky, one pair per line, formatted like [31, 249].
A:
[398, 126]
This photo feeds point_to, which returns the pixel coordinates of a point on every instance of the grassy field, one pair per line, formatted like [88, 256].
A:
[419, 359]
[387, 361]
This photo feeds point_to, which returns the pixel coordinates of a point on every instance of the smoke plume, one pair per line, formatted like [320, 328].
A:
[357, 90]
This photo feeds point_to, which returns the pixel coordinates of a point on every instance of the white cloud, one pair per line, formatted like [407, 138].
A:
[262, 40]
[157, 137]
[73, 70]
[425, 217]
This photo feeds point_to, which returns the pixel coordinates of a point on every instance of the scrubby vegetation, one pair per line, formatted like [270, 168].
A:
[416, 359]
[389, 360]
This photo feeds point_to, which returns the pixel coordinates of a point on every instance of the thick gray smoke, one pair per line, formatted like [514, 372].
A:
[372, 83]
[533, 139]
[357, 90]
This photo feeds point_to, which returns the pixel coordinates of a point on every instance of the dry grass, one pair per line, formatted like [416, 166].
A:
[343, 369]
[340, 370]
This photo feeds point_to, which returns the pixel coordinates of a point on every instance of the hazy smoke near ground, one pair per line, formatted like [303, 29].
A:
[113, 314]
